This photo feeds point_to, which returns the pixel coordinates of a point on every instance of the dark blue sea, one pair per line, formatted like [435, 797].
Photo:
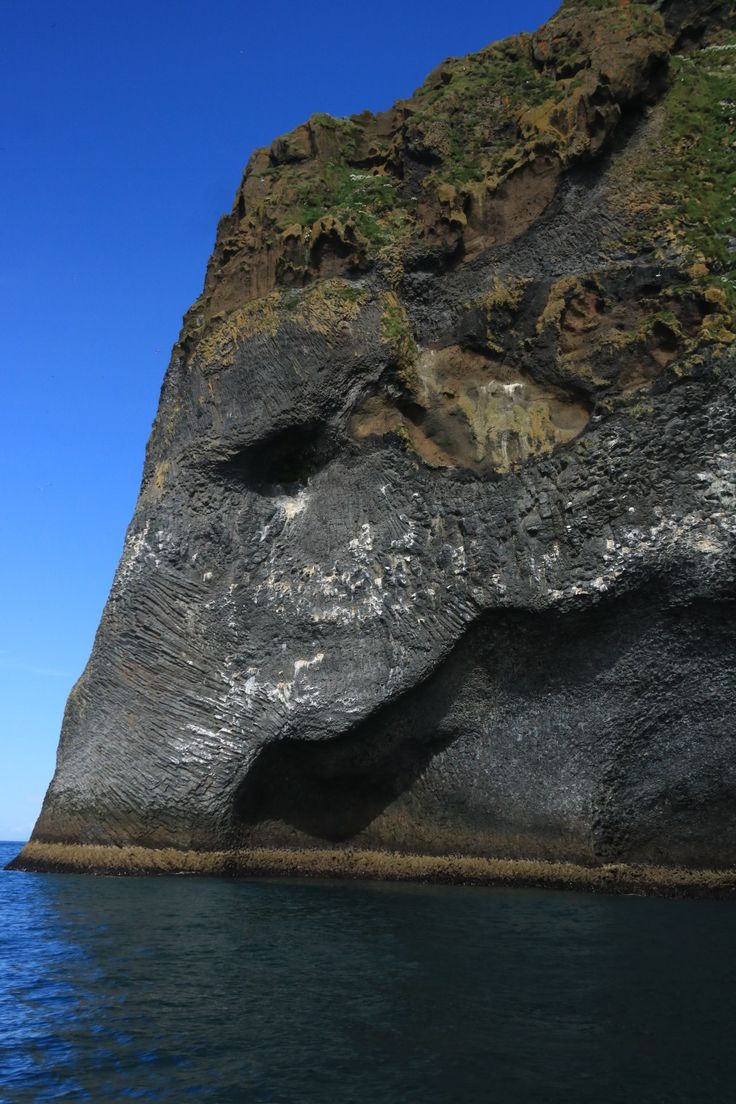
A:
[268, 992]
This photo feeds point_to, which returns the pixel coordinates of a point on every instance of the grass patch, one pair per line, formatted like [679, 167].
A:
[472, 124]
[691, 177]
[350, 195]
[397, 333]
[217, 346]
[466, 111]
[327, 303]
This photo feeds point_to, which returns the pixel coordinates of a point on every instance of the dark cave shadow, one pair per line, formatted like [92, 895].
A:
[282, 463]
[333, 789]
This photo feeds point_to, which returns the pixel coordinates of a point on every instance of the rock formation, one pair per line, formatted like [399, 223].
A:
[433, 553]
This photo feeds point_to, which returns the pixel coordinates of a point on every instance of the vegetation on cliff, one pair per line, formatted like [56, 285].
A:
[683, 186]
[468, 164]
[428, 177]
[434, 551]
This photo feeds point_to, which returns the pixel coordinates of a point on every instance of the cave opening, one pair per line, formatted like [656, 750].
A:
[282, 463]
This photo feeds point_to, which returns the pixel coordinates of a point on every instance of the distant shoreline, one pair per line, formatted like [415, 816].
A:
[616, 878]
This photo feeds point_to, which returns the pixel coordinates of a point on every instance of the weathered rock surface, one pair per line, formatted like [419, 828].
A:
[434, 550]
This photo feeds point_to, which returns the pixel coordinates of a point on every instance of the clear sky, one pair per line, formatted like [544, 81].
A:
[124, 128]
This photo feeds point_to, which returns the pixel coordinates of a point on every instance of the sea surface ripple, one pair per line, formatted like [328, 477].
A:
[268, 992]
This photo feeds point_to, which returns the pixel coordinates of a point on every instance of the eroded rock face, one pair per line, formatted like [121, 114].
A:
[434, 547]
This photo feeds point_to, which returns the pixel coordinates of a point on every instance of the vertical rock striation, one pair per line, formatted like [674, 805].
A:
[434, 551]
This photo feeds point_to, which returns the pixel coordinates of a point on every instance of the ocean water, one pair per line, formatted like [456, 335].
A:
[296, 992]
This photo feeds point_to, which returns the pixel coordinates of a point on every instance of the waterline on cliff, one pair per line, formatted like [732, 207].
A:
[377, 866]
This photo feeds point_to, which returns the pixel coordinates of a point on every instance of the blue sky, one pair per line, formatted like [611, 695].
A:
[124, 128]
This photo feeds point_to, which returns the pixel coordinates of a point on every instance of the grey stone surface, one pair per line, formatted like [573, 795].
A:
[315, 639]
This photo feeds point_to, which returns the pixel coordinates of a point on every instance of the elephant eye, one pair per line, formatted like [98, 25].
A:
[283, 462]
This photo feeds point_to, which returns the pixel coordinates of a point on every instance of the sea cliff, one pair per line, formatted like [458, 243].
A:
[432, 569]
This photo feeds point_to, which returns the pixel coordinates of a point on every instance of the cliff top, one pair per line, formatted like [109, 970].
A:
[475, 155]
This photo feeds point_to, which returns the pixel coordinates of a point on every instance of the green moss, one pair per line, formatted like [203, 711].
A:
[290, 300]
[619, 10]
[348, 130]
[593, 5]
[693, 175]
[322, 118]
[637, 16]
[476, 120]
[348, 193]
[348, 293]
[467, 110]
[500, 305]
[329, 302]
[396, 332]
[403, 435]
